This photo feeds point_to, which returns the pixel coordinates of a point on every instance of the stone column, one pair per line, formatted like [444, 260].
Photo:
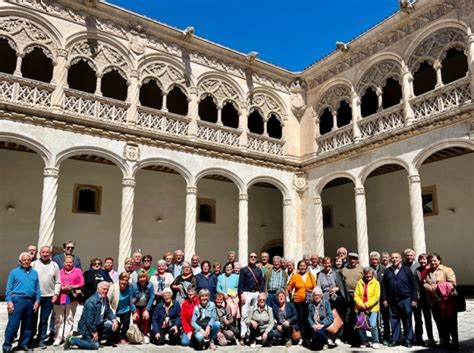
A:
[334, 120]
[98, 88]
[133, 98]
[243, 228]
[416, 211]
[190, 227]
[243, 126]
[361, 222]
[265, 127]
[19, 61]
[356, 116]
[126, 220]
[288, 241]
[59, 79]
[193, 112]
[319, 226]
[439, 78]
[219, 115]
[48, 206]
[164, 103]
[379, 94]
[407, 94]
[470, 59]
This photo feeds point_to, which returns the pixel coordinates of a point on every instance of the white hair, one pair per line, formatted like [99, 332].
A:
[24, 254]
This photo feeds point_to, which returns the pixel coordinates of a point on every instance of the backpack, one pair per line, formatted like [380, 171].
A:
[134, 335]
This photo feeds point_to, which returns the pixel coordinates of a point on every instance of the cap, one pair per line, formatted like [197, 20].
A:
[353, 254]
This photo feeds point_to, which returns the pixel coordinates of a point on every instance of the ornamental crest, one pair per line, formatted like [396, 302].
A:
[220, 90]
[131, 152]
[300, 183]
[298, 97]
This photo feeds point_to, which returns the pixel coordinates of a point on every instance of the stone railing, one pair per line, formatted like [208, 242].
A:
[335, 139]
[95, 107]
[162, 122]
[387, 120]
[218, 134]
[265, 144]
[442, 99]
[25, 92]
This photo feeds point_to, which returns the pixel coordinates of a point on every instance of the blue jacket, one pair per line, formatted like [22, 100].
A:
[224, 283]
[209, 283]
[398, 287]
[90, 317]
[59, 259]
[247, 281]
[325, 313]
[23, 283]
[200, 313]
[159, 316]
[149, 293]
[290, 313]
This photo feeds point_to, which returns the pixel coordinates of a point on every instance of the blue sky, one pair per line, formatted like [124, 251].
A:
[289, 33]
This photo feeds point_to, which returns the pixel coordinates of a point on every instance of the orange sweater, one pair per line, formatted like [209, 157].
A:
[300, 287]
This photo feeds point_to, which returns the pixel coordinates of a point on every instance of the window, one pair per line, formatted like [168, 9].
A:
[206, 210]
[328, 221]
[429, 200]
[87, 199]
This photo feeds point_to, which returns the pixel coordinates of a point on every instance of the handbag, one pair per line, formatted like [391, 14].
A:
[76, 294]
[460, 300]
[336, 325]
[362, 321]
[134, 335]
[295, 335]
[309, 294]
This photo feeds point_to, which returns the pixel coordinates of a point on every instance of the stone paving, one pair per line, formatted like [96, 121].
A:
[466, 340]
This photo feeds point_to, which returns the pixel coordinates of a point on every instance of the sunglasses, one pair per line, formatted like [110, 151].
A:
[98, 263]
[69, 247]
[253, 257]
[146, 260]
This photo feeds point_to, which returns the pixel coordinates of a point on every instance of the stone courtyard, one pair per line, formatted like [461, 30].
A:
[466, 340]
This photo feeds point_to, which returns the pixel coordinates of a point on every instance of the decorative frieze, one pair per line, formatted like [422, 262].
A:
[25, 33]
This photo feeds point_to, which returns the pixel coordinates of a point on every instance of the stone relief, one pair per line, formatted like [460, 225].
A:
[266, 104]
[24, 32]
[216, 64]
[378, 74]
[137, 40]
[333, 97]
[298, 97]
[300, 183]
[220, 90]
[165, 73]
[131, 152]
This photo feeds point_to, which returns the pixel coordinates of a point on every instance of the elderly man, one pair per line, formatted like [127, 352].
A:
[275, 279]
[399, 294]
[68, 248]
[195, 266]
[137, 260]
[342, 253]
[97, 321]
[109, 268]
[175, 267]
[23, 297]
[379, 269]
[385, 259]
[314, 266]
[33, 251]
[50, 288]
[264, 263]
[231, 256]
[410, 259]
[250, 284]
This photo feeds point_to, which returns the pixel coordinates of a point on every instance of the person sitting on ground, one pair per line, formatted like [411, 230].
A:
[204, 323]
[367, 301]
[166, 320]
[286, 320]
[93, 276]
[161, 280]
[97, 321]
[121, 301]
[187, 309]
[228, 330]
[260, 322]
[143, 294]
[182, 282]
[319, 318]
[206, 280]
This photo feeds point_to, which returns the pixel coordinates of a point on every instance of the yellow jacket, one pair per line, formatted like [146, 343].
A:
[373, 295]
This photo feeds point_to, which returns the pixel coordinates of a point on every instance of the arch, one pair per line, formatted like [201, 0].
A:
[375, 59]
[98, 151]
[363, 175]
[183, 171]
[209, 82]
[324, 181]
[163, 69]
[224, 172]
[32, 144]
[332, 95]
[376, 75]
[425, 153]
[272, 181]
[271, 104]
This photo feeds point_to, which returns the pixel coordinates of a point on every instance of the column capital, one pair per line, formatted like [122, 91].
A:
[415, 178]
[128, 182]
[359, 191]
[243, 197]
[51, 172]
[193, 90]
[437, 65]
[286, 202]
[317, 200]
[61, 53]
[191, 190]
[134, 74]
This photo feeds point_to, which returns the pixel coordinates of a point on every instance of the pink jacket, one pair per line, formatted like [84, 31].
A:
[74, 278]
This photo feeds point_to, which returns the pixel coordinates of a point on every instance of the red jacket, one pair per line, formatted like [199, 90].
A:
[187, 309]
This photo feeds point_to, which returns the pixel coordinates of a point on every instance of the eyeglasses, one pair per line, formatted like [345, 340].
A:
[97, 263]
[253, 256]
[69, 247]
[146, 261]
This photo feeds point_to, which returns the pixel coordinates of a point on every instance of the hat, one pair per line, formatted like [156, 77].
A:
[353, 254]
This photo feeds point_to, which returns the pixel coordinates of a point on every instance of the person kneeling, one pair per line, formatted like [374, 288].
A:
[166, 320]
[260, 321]
[228, 331]
[96, 323]
[319, 318]
[204, 323]
[286, 320]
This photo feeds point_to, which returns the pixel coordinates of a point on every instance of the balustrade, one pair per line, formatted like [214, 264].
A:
[264, 144]
[162, 122]
[27, 92]
[218, 134]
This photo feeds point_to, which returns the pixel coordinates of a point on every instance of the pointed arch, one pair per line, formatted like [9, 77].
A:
[332, 95]
[267, 101]
[221, 86]
[167, 71]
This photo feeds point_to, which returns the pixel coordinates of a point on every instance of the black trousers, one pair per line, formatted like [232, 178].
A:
[173, 337]
[302, 310]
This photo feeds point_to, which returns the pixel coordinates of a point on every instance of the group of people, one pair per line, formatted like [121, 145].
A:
[317, 302]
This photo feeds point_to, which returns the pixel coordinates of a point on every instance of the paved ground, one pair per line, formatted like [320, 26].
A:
[466, 338]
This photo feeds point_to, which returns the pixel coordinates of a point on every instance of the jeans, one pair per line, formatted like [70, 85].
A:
[374, 328]
[271, 299]
[280, 337]
[124, 324]
[22, 314]
[318, 339]
[185, 340]
[401, 310]
[86, 341]
[214, 329]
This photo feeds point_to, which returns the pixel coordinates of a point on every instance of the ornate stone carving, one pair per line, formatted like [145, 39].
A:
[161, 45]
[298, 97]
[266, 104]
[333, 97]
[434, 47]
[378, 74]
[267, 81]
[243, 197]
[165, 73]
[216, 64]
[131, 152]
[299, 182]
[25, 32]
[191, 190]
[415, 178]
[51, 172]
[128, 182]
[359, 191]
[220, 90]
[137, 40]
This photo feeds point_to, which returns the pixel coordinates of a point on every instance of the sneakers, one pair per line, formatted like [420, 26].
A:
[364, 345]
[337, 342]
[253, 345]
[288, 343]
[376, 345]
[68, 342]
[212, 346]
[57, 341]
[331, 342]
[146, 340]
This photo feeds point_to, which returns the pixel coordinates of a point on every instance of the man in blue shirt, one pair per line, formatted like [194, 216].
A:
[23, 297]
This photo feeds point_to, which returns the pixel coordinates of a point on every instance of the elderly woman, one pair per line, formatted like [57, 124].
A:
[204, 321]
[72, 281]
[302, 283]
[367, 301]
[161, 280]
[260, 321]
[216, 269]
[93, 276]
[182, 282]
[423, 309]
[227, 284]
[286, 320]
[319, 318]
[143, 295]
[237, 267]
[228, 330]
[147, 260]
[128, 266]
[120, 299]
[206, 279]
[187, 309]
[439, 285]
[166, 320]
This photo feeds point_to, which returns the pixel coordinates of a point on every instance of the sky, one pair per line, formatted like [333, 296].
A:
[289, 33]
